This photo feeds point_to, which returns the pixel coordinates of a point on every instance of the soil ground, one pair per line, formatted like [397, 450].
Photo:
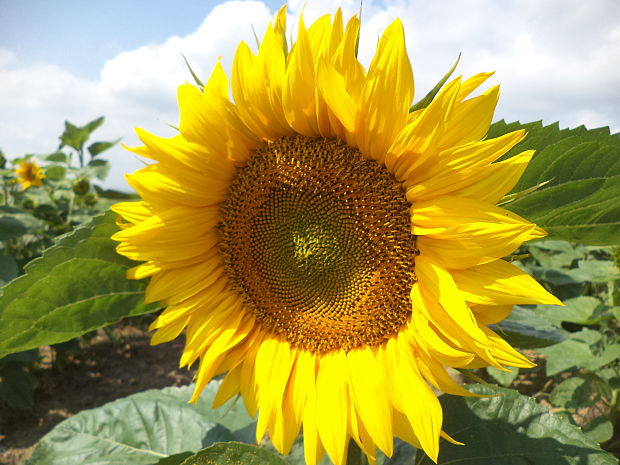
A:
[101, 372]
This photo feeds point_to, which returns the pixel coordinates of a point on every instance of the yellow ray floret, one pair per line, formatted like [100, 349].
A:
[327, 251]
[29, 174]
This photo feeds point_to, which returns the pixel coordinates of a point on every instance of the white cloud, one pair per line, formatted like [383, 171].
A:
[556, 60]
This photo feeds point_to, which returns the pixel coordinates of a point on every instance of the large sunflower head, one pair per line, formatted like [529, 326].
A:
[327, 250]
[29, 174]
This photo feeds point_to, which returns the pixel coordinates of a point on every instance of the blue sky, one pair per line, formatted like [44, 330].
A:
[81, 35]
[556, 60]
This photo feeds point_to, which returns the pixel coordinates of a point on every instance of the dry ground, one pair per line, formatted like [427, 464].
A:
[100, 373]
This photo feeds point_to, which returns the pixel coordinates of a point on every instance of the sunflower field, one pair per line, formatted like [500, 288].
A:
[359, 276]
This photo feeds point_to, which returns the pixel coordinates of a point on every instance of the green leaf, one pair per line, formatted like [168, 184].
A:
[116, 195]
[553, 254]
[94, 124]
[73, 136]
[11, 227]
[229, 453]
[572, 393]
[525, 328]
[599, 430]
[504, 378]
[8, 269]
[582, 166]
[76, 136]
[609, 354]
[99, 168]
[98, 147]
[16, 387]
[595, 271]
[512, 429]
[58, 157]
[55, 172]
[175, 459]
[575, 351]
[78, 285]
[428, 98]
[582, 310]
[28, 223]
[48, 213]
[143, 428]
[403, 454]
[194, 75]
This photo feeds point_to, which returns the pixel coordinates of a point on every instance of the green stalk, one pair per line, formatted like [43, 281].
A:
[355, 456]
[419, 457]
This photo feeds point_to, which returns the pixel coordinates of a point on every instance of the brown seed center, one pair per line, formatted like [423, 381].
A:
[318, 240]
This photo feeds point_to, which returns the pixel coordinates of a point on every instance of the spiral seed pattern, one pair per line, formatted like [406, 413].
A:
[318, 240]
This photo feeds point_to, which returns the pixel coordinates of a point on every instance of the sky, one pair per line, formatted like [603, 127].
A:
[556, 60]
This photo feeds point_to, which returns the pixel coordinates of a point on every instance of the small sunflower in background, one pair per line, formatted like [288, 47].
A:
[29, 174]
[327, 250]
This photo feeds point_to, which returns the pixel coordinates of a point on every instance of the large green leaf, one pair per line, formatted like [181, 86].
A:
[11, 227]
[583, 310]
[512, 429]
[77, 285]
[526, 329]
[98, 147]
[76, 136]
[8, 269]
[582, 167]
[144, 428]
[582, 349]
[229, 453]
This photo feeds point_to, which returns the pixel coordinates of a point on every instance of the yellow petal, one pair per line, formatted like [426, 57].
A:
[209, 119]
[249, 390]
[176, 285]
[494, 181]
[346, 63]
[177, 150]
[473, 83]
[385, 100]
[501, 283]
[504, 353]
[332, 88]
[436, 293]
[220, 353]
[312, 443]
[164, 189]
[228, 388]
[415, 145]
[490, 314]
[273, 366]
[299, 97]
[134, 212]
[470, 120]
[288, 420]
[169, 331]
[254, 90]
[473, 244]
[419, 403]
[368, 391]
[332, 404]
[440, 214]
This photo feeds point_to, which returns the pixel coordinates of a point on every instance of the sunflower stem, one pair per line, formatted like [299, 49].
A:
[355, 456]
[476, 378]
[419, 457]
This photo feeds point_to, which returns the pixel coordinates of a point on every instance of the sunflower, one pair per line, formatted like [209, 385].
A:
[324, 248]
[29, 174]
